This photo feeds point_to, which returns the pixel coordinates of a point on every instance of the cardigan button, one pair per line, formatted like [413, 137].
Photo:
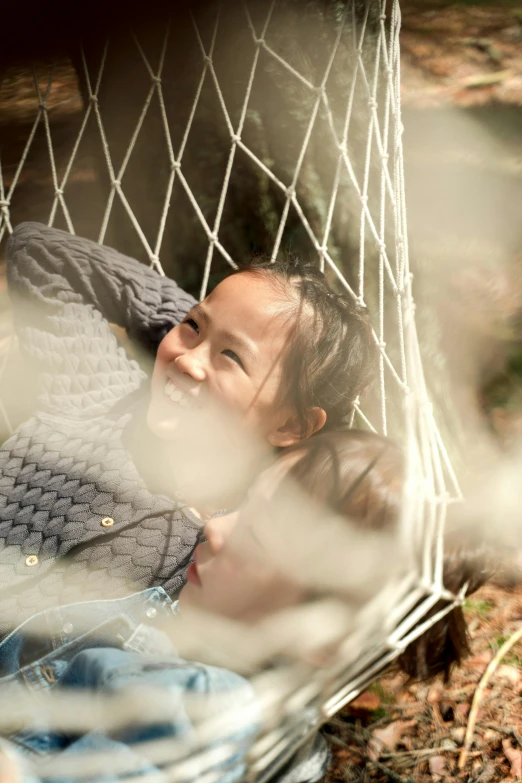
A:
[107, 522]
[32, 560]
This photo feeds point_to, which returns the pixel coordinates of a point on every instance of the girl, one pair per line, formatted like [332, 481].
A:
[357, 475]
[254, 561]
[81, 512]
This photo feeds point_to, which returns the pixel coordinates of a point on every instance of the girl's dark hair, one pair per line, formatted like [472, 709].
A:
[360, 475]
[446, 643]
[331, 353]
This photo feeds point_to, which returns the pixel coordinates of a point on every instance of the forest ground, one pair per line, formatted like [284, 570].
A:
[403, 732]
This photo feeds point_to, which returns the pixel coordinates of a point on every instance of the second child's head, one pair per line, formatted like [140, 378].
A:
[306, 508]
[246, 568]
[274, 344]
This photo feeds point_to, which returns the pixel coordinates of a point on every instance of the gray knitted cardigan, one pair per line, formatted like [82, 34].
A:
[67, 468]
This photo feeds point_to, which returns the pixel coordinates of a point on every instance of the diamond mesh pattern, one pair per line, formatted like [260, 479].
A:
[260, 127]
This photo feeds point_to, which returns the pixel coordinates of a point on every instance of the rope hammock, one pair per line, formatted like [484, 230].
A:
[155, 144]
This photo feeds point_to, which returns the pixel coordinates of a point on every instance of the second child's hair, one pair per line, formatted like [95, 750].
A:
[359, 474]
[331, 354]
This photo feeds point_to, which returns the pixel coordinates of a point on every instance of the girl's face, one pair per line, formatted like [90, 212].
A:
[238, 571]
[230, 349]
[232, 574]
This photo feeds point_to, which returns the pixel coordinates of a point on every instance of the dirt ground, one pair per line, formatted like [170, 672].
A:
[463, 54]
[399, 732]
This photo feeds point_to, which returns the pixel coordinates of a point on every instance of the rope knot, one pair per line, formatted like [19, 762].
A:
[290, 191]
[93, 99]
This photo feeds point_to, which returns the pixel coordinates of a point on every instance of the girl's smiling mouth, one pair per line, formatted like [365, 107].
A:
[176, 395]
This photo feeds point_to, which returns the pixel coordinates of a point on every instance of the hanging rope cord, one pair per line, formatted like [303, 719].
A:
[294, 711]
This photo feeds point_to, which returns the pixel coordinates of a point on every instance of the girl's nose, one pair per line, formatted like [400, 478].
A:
[193, 364]
[218, 529]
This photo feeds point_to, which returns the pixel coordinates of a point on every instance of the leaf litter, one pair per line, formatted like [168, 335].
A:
[402, 732]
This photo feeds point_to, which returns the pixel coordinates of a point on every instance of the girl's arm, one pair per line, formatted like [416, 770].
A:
[65, 290]
[48, 268]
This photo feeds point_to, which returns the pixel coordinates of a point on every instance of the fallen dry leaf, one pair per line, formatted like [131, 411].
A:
[483, 658]
[514, 756]
[387, 738]
[458, 734]
[438, 767]
[413, 708]
[491, 736]
[507, 672]
[367, 700]
[461, 713]
[435, 693]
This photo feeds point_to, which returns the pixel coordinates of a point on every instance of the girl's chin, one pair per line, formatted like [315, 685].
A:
[164, 424]
[190, 596]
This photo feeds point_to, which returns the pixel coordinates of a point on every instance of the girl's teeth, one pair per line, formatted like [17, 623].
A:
[176, 395]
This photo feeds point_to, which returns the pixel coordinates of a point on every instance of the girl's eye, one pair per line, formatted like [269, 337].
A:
[193, 325]
[235, 358]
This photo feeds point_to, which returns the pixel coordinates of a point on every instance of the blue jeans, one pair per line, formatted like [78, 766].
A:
[142, 696]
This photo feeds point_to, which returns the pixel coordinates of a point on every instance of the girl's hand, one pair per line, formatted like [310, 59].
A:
[10, 769]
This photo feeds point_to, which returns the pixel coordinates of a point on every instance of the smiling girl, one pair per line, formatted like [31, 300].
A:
[80, 514]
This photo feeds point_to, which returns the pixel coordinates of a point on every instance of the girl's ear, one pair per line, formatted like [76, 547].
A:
[290, 432]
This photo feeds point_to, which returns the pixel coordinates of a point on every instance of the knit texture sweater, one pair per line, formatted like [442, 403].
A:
[77, 521]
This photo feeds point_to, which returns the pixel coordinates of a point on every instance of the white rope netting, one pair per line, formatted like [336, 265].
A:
[323, 153]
